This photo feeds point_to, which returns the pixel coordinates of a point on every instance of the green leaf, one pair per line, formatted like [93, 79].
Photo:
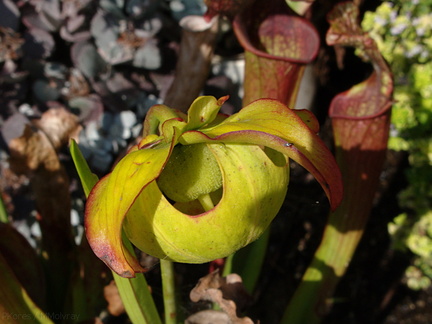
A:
[21, 257]
[16, 306]
[3, 212]
[88, 178]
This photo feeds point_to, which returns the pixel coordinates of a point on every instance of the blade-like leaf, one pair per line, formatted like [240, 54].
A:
[136, 296]
[88, 178]
[16, 307]
[25, 263]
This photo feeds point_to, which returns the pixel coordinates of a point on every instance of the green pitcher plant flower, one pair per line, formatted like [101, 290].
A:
[199, 186]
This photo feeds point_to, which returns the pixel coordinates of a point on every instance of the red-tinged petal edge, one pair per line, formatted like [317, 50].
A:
[269, 116]
[321, 163]
[109, 249]
[112, 197]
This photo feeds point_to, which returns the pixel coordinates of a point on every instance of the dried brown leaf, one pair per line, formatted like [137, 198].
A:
[32, 150]
[10, 44]
[209, 316]
[227, 292]
[37, 147]
[59, 125]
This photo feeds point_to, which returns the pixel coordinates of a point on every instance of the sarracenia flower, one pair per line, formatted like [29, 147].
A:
[236, 167]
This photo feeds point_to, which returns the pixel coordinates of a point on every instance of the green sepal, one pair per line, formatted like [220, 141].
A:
[203, 111]
[156, 116]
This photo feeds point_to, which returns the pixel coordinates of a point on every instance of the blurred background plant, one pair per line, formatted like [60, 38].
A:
[87, 56]
[403, 31]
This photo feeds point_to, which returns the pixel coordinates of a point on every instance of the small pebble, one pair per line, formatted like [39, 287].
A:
[35, 230]
[75, 218]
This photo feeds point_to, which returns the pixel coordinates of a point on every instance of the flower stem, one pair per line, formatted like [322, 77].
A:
[136, 296]
[168, 288]
[206, 202]
[167, 272]
[227, 269]
[249, 261]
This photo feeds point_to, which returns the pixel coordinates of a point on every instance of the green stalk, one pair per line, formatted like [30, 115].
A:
[3, 213]
[248, 261]
[327, 268]
[168, 288]
[206, 202]
[228, 266]
[167, 269]
[136, 296]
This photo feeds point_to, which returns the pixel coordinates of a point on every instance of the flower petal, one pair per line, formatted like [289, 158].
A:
[308, 118]
[112, 197]
[254, 188]
[269, 123]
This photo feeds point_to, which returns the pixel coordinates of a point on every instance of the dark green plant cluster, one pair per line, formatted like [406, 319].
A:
[403, 30]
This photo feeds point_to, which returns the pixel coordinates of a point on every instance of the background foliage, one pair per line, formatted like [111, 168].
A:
[403, 31]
